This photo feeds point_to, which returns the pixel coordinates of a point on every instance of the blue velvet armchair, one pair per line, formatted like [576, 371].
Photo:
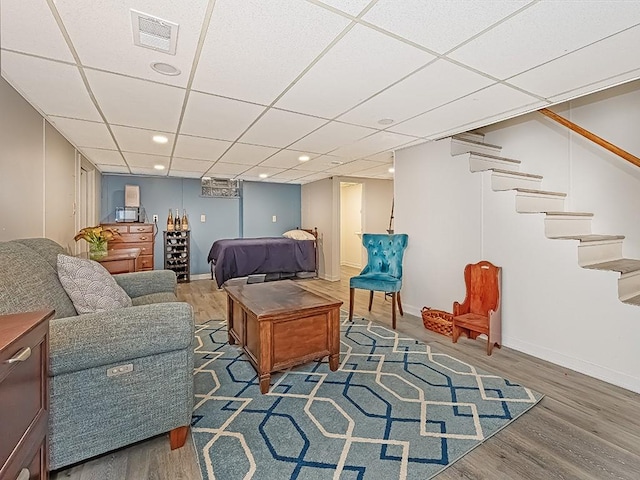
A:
[383, 272]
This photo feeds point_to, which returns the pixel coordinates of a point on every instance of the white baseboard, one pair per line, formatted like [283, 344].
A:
[352, 265]
[605, 374]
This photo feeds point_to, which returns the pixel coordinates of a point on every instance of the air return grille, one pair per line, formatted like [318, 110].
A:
[153, 32]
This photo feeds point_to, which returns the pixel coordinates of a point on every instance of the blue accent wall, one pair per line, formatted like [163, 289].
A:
[261, 201]
[225, 217]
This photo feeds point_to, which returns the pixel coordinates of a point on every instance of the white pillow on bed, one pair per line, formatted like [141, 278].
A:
[298, 235]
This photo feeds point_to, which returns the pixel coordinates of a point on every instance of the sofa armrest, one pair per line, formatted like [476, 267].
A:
[106, 338]
[144, 283]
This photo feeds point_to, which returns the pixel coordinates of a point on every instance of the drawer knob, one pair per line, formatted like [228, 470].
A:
[24, 474]
[21, 356]
[143, 238]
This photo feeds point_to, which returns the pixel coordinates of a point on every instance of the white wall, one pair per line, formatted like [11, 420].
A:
[38, 170]
[321, 207]
[351, 224]
[552, 308]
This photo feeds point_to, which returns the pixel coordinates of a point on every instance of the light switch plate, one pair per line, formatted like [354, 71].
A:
[203, 218]
[274, 219]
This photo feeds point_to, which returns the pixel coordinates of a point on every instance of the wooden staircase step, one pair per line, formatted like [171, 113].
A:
[473, 136]
[496, 157]
[518, 174]
[591, 238]
[541, 192]
[570, 214]
[624, 265]
[633, 300]
[461, 146]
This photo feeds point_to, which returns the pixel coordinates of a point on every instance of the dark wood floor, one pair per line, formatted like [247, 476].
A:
[582, 429]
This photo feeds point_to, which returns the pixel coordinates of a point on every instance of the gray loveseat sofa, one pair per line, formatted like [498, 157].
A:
[92, 413]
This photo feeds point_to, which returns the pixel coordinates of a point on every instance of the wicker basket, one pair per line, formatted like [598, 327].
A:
[437, 321]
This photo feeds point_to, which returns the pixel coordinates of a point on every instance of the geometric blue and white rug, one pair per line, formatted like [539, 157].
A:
[395, 409]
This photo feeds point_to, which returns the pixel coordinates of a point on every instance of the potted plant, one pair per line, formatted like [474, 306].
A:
[97, 237]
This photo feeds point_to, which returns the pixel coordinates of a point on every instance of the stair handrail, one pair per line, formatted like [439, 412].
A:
[591, 136]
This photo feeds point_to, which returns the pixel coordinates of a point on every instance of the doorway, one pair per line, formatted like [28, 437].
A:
[351, 250]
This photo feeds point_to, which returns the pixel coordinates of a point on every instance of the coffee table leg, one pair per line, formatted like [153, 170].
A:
[265, 381]
[334, 362]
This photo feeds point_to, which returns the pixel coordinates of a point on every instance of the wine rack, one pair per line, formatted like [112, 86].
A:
[177, 254]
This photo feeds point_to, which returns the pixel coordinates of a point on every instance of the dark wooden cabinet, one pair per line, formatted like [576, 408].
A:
[135, 235]
[24, 395]
[177, 254]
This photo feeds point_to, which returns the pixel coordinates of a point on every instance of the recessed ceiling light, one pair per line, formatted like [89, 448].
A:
[160, 139]
[263, 175]
[385, 121]
[159, 167]
[392, 170]
[165, 69]
[303, 158]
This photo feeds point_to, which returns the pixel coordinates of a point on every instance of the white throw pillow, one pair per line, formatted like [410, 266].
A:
[298, 235]
[90, 286]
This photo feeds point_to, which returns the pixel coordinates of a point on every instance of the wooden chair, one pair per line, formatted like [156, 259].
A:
[480, 311]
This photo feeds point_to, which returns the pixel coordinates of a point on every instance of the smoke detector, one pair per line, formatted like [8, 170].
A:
[154, 33]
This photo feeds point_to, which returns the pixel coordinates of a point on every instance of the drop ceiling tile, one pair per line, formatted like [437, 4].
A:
[284, 159]
[322, 163]
[604, 59]
[217, 117]
[376, 170]
[141, 141]
[103, 157]
[418, 93]
[255, 49]
[278, 128]
[103, 36]
[230, 169]
[384, 157]
[352, 7]
[371, 145]
[184, 174]
[56, 88]
[557, 27]
[247, 154]
[353, 167]
[136, 103]
[112, 168]
[29, 26]
[495, 99]
[147, 161]
[597, 86]
[190, 165]
[314, 177]
[346, 75]
[82, 133]
[291, 174]
[331, 136]
[200, 148]
[408, 19]
[148, 171]
[259, 170]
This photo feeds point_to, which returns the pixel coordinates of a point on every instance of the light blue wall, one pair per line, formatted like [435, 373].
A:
[224, 216]
[261, 201]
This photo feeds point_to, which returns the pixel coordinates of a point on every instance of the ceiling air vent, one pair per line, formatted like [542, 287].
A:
[153, 32]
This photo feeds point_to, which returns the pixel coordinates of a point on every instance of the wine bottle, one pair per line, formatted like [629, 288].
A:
[177, 223]
[185, 221]
[170, 222]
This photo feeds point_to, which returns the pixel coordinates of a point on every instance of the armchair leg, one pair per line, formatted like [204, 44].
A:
[370, 299]
[351, 295]
[400, 304]
[178, 437]
[393, 310]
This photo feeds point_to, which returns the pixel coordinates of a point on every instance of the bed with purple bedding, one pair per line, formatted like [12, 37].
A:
[241, 257]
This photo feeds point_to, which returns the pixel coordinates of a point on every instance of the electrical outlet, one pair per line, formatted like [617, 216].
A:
[274, 219]
[203, 218]
[155, 218]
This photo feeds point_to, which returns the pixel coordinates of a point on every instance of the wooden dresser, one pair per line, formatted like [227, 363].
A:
[24, 395]
[135, 235]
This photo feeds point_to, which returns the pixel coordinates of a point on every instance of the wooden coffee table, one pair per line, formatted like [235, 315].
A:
[279, 324]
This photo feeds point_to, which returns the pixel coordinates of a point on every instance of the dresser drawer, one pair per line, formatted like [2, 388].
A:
[146, 248]
[146, 228]
[145, 262]
[118, 227]
[131, 238]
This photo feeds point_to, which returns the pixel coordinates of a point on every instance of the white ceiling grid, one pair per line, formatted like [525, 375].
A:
[263, 83]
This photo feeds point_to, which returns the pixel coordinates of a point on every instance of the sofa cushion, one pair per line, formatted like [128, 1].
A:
[29, 282]
[90, 286]
[161, 297]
